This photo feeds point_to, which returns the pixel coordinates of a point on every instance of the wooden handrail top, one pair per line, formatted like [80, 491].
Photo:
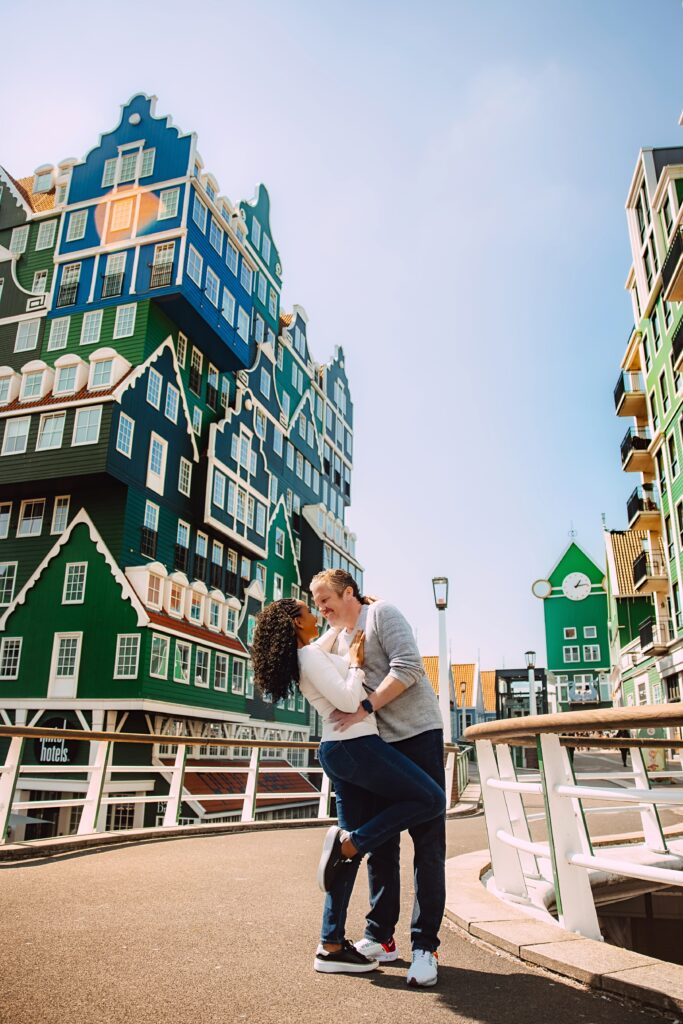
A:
[503, 730]
[149, 738]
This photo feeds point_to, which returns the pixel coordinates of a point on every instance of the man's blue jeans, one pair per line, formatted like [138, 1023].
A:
[379, 792]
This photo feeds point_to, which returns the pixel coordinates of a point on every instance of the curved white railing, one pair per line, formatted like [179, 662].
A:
[561, 868]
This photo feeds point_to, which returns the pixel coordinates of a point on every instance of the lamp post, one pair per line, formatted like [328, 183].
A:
[463, 691]
[531, 665]
[440, 585]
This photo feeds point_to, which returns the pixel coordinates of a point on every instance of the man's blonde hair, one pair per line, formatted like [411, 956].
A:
[339, 580]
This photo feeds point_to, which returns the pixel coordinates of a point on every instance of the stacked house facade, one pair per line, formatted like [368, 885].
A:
[171, 455]
[645, 567]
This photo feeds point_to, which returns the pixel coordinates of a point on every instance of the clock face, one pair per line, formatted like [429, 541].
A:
[576, 586]
[541, 588]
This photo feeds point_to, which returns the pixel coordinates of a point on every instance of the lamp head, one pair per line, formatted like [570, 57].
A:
[440, 585]
[530, 659]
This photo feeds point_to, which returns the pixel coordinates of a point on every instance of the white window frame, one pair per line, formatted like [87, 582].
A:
[167, 643]
[570, 649]
[185, 465]
[154, 378]
[122, 313]
[27, 335]
[78, 222]
[204, 650]
[4, 604]
[91, 325]
[68, 683]
[131, 422]
[56, 343]
[67, 567]
[188, 648]
[123, 637]
[40, 276]
[168, 204]
[82, 412]
[156, 481]
[43, 419]
[66, 502]
[172, 390]
[46, 235]
[6, 640]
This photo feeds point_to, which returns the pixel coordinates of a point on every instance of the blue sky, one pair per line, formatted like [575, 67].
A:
[448, 184]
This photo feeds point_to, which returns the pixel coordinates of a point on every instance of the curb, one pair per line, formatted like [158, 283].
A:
[599, 965]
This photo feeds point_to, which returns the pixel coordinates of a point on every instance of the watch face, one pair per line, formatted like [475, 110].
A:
[576, 586]
[541, 588]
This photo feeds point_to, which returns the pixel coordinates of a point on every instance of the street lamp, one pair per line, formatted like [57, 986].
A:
[463, 690]
[531, 665]
[440, 585]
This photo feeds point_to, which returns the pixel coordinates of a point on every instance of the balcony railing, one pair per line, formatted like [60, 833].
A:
[628, 384]
[655, 634]
[112, 285]
[161, 275]
[66, 296]
[644, 499]
[672, 269]
[148, 542]
[636, 439]
[647, 566]
[677, 344]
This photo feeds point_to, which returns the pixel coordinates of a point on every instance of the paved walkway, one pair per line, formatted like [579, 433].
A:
[222, 929]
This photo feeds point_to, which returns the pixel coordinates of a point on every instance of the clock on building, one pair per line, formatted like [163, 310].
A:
[541, 588]
[576, 586]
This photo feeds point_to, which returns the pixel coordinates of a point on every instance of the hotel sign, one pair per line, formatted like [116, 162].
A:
[58, 750]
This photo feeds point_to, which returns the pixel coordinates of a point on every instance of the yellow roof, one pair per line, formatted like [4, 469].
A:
[463, 674]
[431, 665]
[627, 545]
[488, 686]
[39, 202]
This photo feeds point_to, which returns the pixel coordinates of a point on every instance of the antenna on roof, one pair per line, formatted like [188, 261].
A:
[604, 520]
[572, 531]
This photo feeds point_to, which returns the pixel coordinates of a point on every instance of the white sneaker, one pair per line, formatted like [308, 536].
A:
[383, 952]
[423, 970]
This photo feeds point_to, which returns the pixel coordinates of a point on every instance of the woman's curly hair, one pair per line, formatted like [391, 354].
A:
[274, 649]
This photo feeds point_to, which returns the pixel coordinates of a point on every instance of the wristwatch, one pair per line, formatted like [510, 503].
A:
[367, 706]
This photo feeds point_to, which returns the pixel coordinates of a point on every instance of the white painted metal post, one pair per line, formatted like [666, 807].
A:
[444, 679]
[93, 798]
[505, 860]
[249, 805]
[515, 806]
[532, 692]
[175, 791]
[649, 815]
[573, 894]
[8, 783]
[325, 797]
[450, 775]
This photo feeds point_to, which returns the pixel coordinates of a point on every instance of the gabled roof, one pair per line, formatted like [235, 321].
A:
[488, 689]
[625, 547]
[464, 674]
[39, 202]
[127, 591]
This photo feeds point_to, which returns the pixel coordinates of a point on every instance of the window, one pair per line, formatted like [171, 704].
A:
[591, 652]
[175, 600]
[50, 431]
[260, 520]
[158, 660]
[109, 173]
[571, 654]
[59, 333]
[77, 222]
[168, 204]
[183, 534]
[673, 456]
[172, 401]
[91, 326]
[231, 257]
[181, 664]
[249, 679]
[5, 515]
[260, 423]
[19, 239]
[102, 373]
[220, 671]
[16, 436]
[216, 236]
[278, 438]
[656, 333]
[245, 571]
[121, 215]
[124, 326]
[669, 537]
[590, 632]
[199, 213]
[151, 518]
[201, 668]
[129, 165]
[154, 383]
[242, 324]
[246, 278]
[31, 384]
[279, 542]
[272, 303]
[182, 349]
[212, 287]
[156, 463]
[228, 308]
[74, 583]
[261, 288]
[290, 455]
[218, 489]
[266, 249]
[27, 335]
[237, 676]
[197, 420]
[87, 425]
[60, 514]
[10, 653]
[664, 392]
[231, 621]
[195, 265]
[46, 235]
[124, 438]
[185, 477]
[265, 383]
[127, 655]
[66, 656]
[147, 162]
[570, 633]
[259, 328]
[8, 577]
[278, 586]
[39, 282]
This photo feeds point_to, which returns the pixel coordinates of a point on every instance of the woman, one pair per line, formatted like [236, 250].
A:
[283, 658]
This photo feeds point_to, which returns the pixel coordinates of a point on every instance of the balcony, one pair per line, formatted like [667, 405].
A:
[655, 637]
[148, 542]
[161, 276]
[642, 508]
[112, 286]
[635, 455]
[629, 395]
[677, 346]
[66, 296]
[672, 270]
[649, 573]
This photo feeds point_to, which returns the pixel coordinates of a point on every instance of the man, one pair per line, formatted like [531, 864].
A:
[409, 718]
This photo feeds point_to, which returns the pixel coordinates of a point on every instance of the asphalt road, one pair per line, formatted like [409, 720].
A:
[223, 929]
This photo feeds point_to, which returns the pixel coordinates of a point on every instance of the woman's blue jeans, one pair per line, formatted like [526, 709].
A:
[363, 770]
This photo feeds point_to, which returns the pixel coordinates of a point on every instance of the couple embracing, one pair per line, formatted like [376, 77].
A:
[382, 747]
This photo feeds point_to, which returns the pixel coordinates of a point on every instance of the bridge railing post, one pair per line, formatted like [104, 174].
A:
[325, 802]
[249, 805]
[505, 860]
[452, 794]
[649, 815]
[90, 814]
[515, 806]
[8, 783]
[175, 792]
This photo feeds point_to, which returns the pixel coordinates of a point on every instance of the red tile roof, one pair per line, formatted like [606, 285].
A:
[41, 201]
[231, 643]
[52, 399]
[286, 319]
[198, 782]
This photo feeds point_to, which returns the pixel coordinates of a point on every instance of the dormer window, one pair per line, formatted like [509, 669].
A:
[175, 600]
[31, 385]
[65, 382]
[9, 385]
[42, 181]
[154, 591]
[101, 374]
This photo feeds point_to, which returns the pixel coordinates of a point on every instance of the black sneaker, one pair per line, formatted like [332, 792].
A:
[346, 961]
[331, 859]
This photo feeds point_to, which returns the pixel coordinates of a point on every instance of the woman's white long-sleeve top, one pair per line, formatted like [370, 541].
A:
[329, 683]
